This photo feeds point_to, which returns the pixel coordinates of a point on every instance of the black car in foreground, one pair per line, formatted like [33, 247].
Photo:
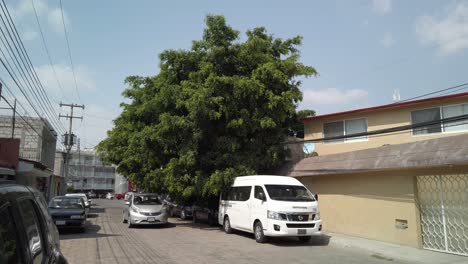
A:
[68, 212]
[27, 233]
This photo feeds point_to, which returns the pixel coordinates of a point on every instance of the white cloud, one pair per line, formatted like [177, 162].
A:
[29, 34]
[50, 17]
[84, 79]
[382, 7]
[448, 32]
[388, 40]
[333, 96]
[55, 20]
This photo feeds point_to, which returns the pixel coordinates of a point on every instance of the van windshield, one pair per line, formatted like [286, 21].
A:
[289, 193]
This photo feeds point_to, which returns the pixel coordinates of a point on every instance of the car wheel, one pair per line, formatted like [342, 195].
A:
[182, 215]
[227, 225]
[304, 239]
[259, 235]
[129, 221]
[123, 219]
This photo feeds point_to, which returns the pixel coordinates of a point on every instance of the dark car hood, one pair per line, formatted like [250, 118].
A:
[62, 211]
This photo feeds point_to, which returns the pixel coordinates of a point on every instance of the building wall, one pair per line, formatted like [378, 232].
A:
[88, 172]
[376, 120]
[368, 204]
[34, 147]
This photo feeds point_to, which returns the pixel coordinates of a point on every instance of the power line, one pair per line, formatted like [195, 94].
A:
[40, 96]
[47, 50]
[386, 130]
[26, 56]
[69, 50]
[435, 92]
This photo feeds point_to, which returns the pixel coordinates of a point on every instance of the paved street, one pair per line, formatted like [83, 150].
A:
[108, 240]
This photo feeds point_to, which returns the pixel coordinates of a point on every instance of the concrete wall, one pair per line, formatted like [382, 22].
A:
[368, 205]
[35, 147]
[376, 120]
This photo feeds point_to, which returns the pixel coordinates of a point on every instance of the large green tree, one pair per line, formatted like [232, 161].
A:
[216, 111]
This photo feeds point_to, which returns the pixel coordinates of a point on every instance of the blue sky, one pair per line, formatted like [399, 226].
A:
[363, 49]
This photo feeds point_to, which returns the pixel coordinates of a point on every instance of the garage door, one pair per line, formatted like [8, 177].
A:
[443, 201]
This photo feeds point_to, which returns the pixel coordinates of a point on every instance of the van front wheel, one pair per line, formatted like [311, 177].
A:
[258, 231]
[227, 225]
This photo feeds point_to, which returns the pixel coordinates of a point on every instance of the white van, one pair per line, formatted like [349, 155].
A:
[270, 206]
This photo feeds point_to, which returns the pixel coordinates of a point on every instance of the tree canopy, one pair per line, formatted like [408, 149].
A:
[216, 111]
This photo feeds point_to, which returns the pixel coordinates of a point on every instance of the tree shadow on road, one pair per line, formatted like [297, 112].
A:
[189, 223]
[91, 231]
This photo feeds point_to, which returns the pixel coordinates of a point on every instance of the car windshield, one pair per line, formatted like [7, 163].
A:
[147, 200]
[66, 203]
[289, 193]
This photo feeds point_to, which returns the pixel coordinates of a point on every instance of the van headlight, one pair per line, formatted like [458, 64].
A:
[275, 215]
[317, 216]
[135, 210]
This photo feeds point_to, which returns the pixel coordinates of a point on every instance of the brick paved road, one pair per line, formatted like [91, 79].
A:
[108, 240]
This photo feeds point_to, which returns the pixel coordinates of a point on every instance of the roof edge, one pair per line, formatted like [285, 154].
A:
[386, 106]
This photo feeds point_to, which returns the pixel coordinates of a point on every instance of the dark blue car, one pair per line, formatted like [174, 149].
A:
[68, 212]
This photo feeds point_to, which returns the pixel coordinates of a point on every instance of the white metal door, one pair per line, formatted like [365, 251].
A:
[443, 201]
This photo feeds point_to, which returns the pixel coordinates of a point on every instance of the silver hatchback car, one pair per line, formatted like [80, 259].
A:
[145, 209]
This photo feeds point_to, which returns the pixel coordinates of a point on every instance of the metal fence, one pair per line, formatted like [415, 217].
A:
[443, 202]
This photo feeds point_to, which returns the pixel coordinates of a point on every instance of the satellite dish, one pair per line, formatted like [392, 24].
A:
[308, 148]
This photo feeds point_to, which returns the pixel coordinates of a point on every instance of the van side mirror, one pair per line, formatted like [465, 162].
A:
[127, 203]
[316, 197]
[261, 196]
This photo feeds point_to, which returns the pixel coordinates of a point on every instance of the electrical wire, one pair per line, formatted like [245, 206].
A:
[30, 65]
[47, 50]
[69, 51]
[386, 130]
[40, 96]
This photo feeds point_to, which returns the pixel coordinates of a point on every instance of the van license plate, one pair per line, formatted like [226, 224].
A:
[60, 222]
[301, 231]
[151, 219]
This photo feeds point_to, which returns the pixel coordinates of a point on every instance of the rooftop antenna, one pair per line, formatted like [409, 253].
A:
[396, 95]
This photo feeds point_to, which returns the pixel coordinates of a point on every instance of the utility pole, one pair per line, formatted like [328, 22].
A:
[68, 140]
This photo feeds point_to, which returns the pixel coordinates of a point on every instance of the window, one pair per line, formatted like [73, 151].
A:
[258, 191]
[334, 129]
[32, 228]
[346, 127]
[356, 126]
[426, 115]
[9, 250]
[239, 193]
[453, 111]
[438, 114]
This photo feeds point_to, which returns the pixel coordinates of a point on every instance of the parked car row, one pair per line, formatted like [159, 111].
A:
[267, 206]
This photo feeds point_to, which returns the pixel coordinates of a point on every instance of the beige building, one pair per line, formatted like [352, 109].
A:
[396, 173]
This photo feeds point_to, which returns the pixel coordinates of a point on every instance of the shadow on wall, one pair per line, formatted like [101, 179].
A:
[389, 186]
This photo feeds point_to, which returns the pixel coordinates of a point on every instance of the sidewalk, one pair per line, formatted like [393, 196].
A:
[392, 252]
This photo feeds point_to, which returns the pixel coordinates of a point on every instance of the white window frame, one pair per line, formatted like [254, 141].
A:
[441, 107]
[346, 140]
